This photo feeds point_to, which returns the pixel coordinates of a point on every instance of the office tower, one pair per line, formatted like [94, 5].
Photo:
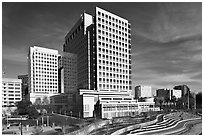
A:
[11, 92]
[43, 73]
[103, 47]
[67, 73]
[24, 86]
[143, 91]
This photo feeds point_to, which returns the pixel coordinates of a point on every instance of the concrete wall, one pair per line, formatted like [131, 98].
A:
[118, 132]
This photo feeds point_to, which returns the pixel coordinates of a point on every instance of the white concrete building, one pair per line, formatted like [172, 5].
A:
[177, 93]
[43, 72]
[113, 52]
[11, 92]
[143, 91]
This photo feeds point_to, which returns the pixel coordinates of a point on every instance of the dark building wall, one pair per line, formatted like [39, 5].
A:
[163, 93]
[76, 42]
[24, 86]
[91, 31]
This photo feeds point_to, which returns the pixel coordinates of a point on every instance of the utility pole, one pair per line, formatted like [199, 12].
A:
[188, 99]
[21, 127]
[47, 120]
[195, 101]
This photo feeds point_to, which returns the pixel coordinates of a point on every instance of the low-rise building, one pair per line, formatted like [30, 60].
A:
[11, 92]
[90, 103]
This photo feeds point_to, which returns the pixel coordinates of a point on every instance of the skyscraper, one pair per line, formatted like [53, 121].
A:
[103, 47]
[43, 73]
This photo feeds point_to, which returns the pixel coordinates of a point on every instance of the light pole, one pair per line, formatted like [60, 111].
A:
[195, 101]
[21, 127]
[47, 120]
[71, 113]
[188, 99]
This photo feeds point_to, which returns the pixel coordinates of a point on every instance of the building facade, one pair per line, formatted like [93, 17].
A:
[143, 91]
[103, 47]
[24, 86]
[43, 73]
[11, 92]
[67, 73]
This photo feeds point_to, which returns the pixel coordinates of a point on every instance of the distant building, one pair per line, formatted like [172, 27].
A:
[163, 93]
[184, 88]
[43, 73]
[24, 86]
[11, 92]
[67, 73]
[168, 94]
[143, 91]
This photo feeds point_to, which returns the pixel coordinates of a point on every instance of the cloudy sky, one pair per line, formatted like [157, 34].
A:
[166, 37]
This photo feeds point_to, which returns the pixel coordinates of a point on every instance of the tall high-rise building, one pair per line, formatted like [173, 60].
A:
[67, 73]
[11, 92]
[102, 44]
[24, 86]
[43, 73]
[143, 91]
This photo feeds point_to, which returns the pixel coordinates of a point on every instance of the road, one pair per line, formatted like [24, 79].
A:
[169, 130]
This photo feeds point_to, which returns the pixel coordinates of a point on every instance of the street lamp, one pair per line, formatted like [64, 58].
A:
[71, 113]
[21, 126]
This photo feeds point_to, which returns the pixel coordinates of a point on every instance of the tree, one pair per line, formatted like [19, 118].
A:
[173, 100]
[199, 100]
[38, 101]
[45, 101]
[23, 106]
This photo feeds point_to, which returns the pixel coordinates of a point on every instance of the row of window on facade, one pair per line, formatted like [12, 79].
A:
[46, 87]
[113, 19]
[111, 53]
[110, 40]
[122, 48]
[112, 86]
[113, 80]
[43, 62]
[115, 34]
[11, 84]
[119, 62]
[45, 90]
[116, 69]
[111, 24]
[40, 54]
[11, 91]
[112, 30]
[113, 47]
